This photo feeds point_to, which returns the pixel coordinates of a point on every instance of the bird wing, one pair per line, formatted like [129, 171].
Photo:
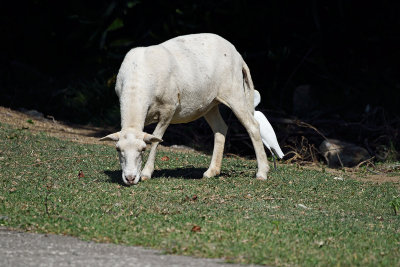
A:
[268, 135]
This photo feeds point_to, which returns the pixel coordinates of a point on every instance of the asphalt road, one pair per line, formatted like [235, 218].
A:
[29, 249]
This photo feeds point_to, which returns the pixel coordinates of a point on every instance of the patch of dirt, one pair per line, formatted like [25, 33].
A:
[383, 174]
[85, 134]
[77, 133]
[378, 178]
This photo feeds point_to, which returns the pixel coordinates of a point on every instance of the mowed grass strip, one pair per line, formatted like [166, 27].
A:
[297, 217]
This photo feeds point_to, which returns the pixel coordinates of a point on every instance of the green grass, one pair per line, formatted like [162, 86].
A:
[241, 219]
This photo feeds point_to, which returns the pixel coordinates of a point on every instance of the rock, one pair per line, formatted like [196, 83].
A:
[381, 152]
[342, 154]
[33, 113]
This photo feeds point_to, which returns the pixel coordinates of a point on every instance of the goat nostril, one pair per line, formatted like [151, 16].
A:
[130, 178]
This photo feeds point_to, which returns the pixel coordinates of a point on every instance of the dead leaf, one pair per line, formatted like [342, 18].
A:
[193, 198]
[196, 229]
[80, 174]
[13, 189]
[165, 158]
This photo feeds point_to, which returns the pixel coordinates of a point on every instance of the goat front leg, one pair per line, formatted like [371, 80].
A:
[158, 132]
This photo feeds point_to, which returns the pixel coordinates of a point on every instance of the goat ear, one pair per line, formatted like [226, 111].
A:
[112, 137]
[149, 138]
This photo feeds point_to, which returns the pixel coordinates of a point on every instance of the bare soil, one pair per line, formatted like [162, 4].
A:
[85, 134]
[389, 172]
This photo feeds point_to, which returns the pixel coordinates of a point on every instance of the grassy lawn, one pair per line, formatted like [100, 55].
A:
[298, 217]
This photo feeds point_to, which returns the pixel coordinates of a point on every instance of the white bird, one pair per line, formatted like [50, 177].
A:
[267, 133]
[257, 98]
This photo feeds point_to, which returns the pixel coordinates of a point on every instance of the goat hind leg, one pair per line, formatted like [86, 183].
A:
[218, 126]
[246, 118]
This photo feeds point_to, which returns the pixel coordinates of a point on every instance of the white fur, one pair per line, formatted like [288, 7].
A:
[179, 81]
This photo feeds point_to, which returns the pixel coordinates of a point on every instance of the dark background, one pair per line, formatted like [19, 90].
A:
[331, 64]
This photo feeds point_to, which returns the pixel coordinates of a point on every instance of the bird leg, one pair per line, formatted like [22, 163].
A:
[273, 157]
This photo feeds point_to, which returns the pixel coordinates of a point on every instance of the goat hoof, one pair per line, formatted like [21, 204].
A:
[209, 174]
[144, 178]
[205, 175]
[261, 178]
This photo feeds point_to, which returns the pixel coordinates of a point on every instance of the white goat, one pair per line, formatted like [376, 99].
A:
[179, 81]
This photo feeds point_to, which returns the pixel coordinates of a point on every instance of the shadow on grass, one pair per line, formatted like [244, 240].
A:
[179, 173]
[115, 177]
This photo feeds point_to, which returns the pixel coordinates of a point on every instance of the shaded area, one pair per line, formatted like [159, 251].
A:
[115, 176]
[185, 173]
[333, 65]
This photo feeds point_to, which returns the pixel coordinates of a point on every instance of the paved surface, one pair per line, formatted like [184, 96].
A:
[28, 249]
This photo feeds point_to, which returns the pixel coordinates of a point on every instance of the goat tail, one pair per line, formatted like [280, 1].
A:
[248, 86]
[253, 96]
